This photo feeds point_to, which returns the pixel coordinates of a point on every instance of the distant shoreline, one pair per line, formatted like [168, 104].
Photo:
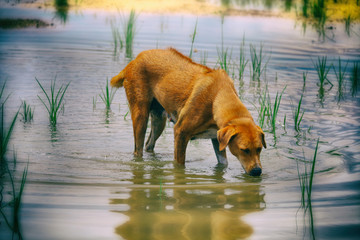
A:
[335, 12]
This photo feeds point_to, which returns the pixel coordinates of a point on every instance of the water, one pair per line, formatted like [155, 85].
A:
[84, 183]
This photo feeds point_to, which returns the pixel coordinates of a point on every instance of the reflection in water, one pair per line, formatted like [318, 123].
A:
[183, 210]
[62, 10]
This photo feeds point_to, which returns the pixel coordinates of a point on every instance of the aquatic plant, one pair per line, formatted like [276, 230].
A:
[257, 62]
[354, 77]
[193, 40]
[268, 112]
[3, 99]
[318, 11]
[10, 23]
[107, 95]
[5, 133]
[129, 33]
[15, 204]
[306, 182]
[94, 102]
[322, 70]
[224, 59]
[347, 21]
[242, 61]
[54, 99]
[28, 112]
[305, 8]
[117, 40]
[340, 76]
[61, 3]
[203, 58]
[274, 110]
[298, 114]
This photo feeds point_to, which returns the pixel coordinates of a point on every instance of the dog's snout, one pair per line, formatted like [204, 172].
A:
[255, 172]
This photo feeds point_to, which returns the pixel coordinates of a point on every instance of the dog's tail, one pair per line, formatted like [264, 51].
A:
[118, 80]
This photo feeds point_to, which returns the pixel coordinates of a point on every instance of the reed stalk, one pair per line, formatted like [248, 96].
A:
[340, 76]
[193, 39]
[203, 58]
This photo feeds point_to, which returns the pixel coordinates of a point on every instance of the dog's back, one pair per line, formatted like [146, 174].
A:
[158, 63]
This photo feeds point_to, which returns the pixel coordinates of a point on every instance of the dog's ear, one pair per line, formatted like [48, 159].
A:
[262, 135]
[224, 135]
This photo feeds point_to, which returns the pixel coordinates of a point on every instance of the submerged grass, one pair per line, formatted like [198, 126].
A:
[54, 99]
[107, 95]
[28, 112]
[340, 76]
[306, 183]
[354, 77]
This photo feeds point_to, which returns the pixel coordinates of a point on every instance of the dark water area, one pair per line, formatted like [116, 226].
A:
[83, 181]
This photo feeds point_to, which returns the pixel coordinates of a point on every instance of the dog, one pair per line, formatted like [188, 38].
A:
[202, 102]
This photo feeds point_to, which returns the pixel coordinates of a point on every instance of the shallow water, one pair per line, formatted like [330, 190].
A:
[84, 183]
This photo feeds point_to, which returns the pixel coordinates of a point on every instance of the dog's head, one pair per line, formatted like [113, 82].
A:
[245, 141]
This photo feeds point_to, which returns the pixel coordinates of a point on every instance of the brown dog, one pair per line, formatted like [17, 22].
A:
[201, 101]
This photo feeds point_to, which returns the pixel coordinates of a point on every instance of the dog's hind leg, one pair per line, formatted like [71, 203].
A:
[158, 122]
[139, 108]
[220, 155]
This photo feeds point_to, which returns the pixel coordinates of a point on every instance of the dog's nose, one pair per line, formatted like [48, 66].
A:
[255, 172]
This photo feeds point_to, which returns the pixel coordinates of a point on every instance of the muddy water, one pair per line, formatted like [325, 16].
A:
[84, 183]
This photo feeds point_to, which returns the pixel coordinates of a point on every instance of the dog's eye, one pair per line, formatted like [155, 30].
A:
[258, 150]
[247, 151]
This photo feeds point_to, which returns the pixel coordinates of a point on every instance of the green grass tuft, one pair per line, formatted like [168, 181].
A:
[298, 115]
[257, 62]
[322, 70]
[28, 112]
[224, 59]
[242, 61]
[107, 95]
[129, 32]
[54, 99]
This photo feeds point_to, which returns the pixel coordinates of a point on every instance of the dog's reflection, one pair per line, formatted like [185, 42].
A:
[186, 206]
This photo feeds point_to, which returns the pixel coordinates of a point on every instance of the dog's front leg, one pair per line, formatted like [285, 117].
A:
[220, 155]
[181, 141]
